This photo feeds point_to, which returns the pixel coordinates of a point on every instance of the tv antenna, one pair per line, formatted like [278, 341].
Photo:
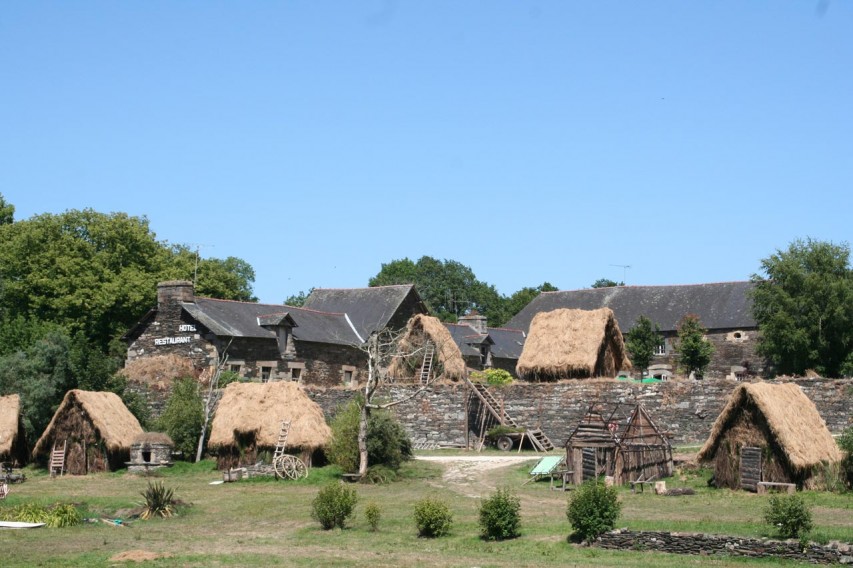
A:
[195, 270]
[624, 268]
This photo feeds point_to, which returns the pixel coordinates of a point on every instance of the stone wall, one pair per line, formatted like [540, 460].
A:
[732, 347]
[684, 409]
[706, 544]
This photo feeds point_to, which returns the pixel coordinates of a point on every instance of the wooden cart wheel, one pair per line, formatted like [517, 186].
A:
[298, 469]
[278, 465]
[504, 443]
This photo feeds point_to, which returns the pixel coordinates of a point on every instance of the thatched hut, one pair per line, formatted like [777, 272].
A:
[565, 344]
[98, 429]
[13, 439]
[248, 421]
[769, 433]
[422, 329]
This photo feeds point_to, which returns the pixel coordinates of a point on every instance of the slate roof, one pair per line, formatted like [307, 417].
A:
[369, 309]
[466, 338]
[723, 305]
[506, 343]
[241, 319]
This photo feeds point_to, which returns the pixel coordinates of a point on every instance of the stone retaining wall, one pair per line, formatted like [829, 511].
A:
[706, 544]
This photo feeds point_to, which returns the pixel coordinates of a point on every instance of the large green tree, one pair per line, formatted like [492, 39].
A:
[642, 340]
[7, 211]
[803, 303]
[692, 350]
[606, 283]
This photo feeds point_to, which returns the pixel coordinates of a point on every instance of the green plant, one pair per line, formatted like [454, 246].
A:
[372, 514]
[789, 515]
[333, 505]
[387, 442]
[56, 516]
[432, 517]
[641, 342]
[693, 351]
[593, 509]
[845, 442]
[159, 501]
[492, 377]
[228, 377]
[63, 515]
[183, 416]
[500, 515]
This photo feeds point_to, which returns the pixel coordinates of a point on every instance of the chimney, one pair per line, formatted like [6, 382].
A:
[474, 320]
[174, 291]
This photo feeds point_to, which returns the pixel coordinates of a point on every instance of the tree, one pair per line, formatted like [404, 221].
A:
[521, 298]
[803, 304]
[7, 211]
[387, 442]
[298, 300]
[692, 350]
[183, 417]
[642, 341]
[606, 283]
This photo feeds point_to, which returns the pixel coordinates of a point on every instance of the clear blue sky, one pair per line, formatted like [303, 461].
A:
[531, 141]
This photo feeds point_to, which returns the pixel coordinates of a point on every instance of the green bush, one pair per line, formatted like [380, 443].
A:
[789, 515]
[432, 517]
[333, 505]
[500, 515]
[845, 442]
[56, 516]
[492, 377]
[183, 416]
[63, 515]
[387, 442]
[593, 509]
[159, 501]
[372, 514]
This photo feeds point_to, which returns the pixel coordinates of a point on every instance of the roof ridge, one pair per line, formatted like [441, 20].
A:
[367, 287]
[271, 306]
[635, 286]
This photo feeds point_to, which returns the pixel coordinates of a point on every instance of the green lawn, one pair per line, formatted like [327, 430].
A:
[257, 523]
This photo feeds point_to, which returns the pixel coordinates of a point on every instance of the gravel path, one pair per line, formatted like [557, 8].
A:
[469, 471]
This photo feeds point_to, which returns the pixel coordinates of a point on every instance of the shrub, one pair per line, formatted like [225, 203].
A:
[57, 516]
[63, 515]
[500, 515]
[373, 515]
[183, 416]
[492, 377]
[333, 505]
[159, 501]
[845, 442]
[387, 442]
[789, 515]
[593, 509]
[433, 518]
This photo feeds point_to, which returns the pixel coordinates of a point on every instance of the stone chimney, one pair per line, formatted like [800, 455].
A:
[475, 320]
[174, 291]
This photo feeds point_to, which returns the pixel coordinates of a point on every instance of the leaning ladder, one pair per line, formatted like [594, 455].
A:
[282, 440]
[57, 459]
[426, 366]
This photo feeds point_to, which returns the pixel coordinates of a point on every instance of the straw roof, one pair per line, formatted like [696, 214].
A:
[10, 422]
[259, 408]
[154, 438]
[447, 352]
[568, 342]
[793, 420]
[158, 370]
[115, 424]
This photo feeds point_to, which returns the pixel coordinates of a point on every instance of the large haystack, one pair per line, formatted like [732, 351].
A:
[564, 344]
[98, 428]
[13, 439]
[779, 431]
[248, 421]
[420, 329]
[159, 372]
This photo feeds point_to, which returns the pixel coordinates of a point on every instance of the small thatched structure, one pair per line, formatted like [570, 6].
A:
[624, 444]
[150, 450]
[564, 344]
[98, 428]
[13, 439]
[772, 433]
[420, 330]
[248, 421]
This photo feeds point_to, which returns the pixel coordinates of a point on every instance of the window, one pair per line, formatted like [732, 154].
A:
[348, 375]
[295, 374]
[265, 374]
[235, 368]
[296, 369]
[661, 348]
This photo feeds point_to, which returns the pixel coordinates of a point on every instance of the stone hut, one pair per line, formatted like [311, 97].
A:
[151, 450]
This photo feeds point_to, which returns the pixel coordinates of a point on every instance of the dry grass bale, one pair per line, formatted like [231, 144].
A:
[160, 371]
[248, 420]
[779, 418]
[568, 343]
[98, 427]
[421, 328]
[13, 440]
[154, 438]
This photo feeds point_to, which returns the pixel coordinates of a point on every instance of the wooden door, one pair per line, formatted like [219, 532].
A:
[750, 468]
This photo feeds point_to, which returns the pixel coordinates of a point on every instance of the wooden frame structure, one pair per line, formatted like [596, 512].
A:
[624, 444]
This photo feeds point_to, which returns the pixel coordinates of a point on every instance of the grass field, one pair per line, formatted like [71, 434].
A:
[259, 523]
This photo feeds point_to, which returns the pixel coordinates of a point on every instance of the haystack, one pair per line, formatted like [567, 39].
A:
[98, 428]
[13, 439]
[158, 372]
[248, 421]
[769, 432]
[448, 362]
[565, 344]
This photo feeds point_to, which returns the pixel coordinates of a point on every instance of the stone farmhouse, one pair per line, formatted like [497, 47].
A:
[486, 347]
[724, 309]
[317, 344]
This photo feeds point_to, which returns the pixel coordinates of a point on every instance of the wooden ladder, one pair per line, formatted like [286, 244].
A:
[57, 459]
[426, 366]
[282, 440]
[539, 440]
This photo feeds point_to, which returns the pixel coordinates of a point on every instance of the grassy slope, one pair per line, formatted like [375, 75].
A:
[268, 523]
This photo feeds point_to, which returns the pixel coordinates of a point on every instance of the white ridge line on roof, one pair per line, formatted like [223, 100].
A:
[353, 328]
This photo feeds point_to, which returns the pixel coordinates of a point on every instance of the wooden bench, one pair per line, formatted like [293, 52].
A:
[640, 484]
[765, 486]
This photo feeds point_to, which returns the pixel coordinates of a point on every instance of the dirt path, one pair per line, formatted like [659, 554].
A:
[468, 475]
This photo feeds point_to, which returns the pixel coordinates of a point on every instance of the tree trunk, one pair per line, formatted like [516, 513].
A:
[362, 440]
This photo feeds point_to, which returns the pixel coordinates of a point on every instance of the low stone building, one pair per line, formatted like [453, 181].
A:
[267, 342]
[485, 347]
[724, 309]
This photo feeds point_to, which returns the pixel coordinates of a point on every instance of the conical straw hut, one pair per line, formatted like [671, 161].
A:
[13, 439]
[448, 362]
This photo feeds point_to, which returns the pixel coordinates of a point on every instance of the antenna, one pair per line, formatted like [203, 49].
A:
[195, 270]
[624, 268]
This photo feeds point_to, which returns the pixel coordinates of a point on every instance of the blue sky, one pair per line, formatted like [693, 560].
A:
[532, 141]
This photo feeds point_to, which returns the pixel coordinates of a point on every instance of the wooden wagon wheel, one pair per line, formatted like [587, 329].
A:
[290, 467]
[504, 443]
